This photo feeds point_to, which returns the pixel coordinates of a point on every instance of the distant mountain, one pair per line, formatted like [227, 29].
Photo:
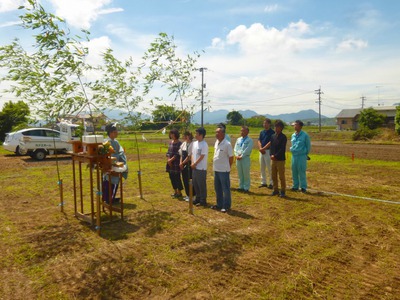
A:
[301, 115]
[218, 116]
[118, 114]
[214, 117]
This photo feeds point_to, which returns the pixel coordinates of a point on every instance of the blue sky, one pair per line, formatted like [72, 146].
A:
[268, 56]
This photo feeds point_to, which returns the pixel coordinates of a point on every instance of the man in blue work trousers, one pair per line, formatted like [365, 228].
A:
[242, 151]
[300, 149]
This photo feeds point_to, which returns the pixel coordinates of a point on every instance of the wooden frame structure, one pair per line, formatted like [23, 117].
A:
[96, 169]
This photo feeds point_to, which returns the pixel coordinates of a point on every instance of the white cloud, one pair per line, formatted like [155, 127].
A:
[252, 66]
[271, 8]
[138, 42]
[97, 47]
[10, 5]
[9, 24]
[258, 39]
[81, 13]
[351, 44]
[110, 11]
[217, 43]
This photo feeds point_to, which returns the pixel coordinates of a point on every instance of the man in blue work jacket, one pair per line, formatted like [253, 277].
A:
[300, 149]
[242, 152]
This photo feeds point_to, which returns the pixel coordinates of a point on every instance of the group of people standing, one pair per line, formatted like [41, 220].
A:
[190, 159]
[272, 148]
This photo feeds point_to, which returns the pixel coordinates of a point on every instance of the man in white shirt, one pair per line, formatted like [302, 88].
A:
[222, 162]
[199, 167]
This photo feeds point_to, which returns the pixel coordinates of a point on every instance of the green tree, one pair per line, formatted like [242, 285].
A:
[371, 119]
[234, 118]
[255, 121]
[168, 114]
[49, 78]
[12, 115]
[170, 71]
[397, 120]
[119, 86]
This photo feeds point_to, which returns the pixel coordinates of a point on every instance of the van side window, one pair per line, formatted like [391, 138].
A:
[51, 133]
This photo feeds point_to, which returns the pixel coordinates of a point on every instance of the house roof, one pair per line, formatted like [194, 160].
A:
[349, 113]
[389, 111]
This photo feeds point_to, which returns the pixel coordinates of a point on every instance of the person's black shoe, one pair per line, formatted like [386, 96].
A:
[270, 187]
[262, 185]
[214, 207]
[274, 193]
[304, 191]
[196, 202]
[294, 189]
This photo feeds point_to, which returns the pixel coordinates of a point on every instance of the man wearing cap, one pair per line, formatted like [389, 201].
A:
[300, 149]
[119, 153]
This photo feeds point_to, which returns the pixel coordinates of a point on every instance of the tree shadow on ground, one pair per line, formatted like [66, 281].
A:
[153, 221]
[220, 251]
[117, 230]
[306, 197]
[129, 205]
[249, 193]
[291, 198]
[49, 241]
[240, 214]
[29, 159]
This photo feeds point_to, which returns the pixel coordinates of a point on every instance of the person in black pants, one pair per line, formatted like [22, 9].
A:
[185, 162]
[173, 159]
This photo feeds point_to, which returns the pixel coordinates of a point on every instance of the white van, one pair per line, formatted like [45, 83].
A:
[12, 140]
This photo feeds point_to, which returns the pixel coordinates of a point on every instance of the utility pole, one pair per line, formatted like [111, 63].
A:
[363, 98]
[379, 92]
[319, 106]
[202, 93]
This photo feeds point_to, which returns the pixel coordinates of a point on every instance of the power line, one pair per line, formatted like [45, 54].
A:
[271, 99]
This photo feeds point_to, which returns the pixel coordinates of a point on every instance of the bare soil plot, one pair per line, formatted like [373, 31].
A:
[308, 246]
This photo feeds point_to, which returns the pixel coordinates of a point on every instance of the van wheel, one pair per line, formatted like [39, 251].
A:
[39, 154]
[18, 151]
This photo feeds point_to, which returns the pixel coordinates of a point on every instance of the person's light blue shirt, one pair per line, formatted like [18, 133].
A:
[301, 144]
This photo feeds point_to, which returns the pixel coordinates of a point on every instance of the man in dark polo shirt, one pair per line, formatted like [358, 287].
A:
[278, 157]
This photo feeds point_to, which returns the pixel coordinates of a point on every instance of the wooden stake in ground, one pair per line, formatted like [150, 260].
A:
[98, 199]
[60, 184]
[190, 196]
[139, 171]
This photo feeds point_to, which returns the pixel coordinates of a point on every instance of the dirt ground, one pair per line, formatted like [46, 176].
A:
[365, 151]
[311, 246]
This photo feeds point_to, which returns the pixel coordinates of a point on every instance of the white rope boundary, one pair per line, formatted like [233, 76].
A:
[357, 197]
